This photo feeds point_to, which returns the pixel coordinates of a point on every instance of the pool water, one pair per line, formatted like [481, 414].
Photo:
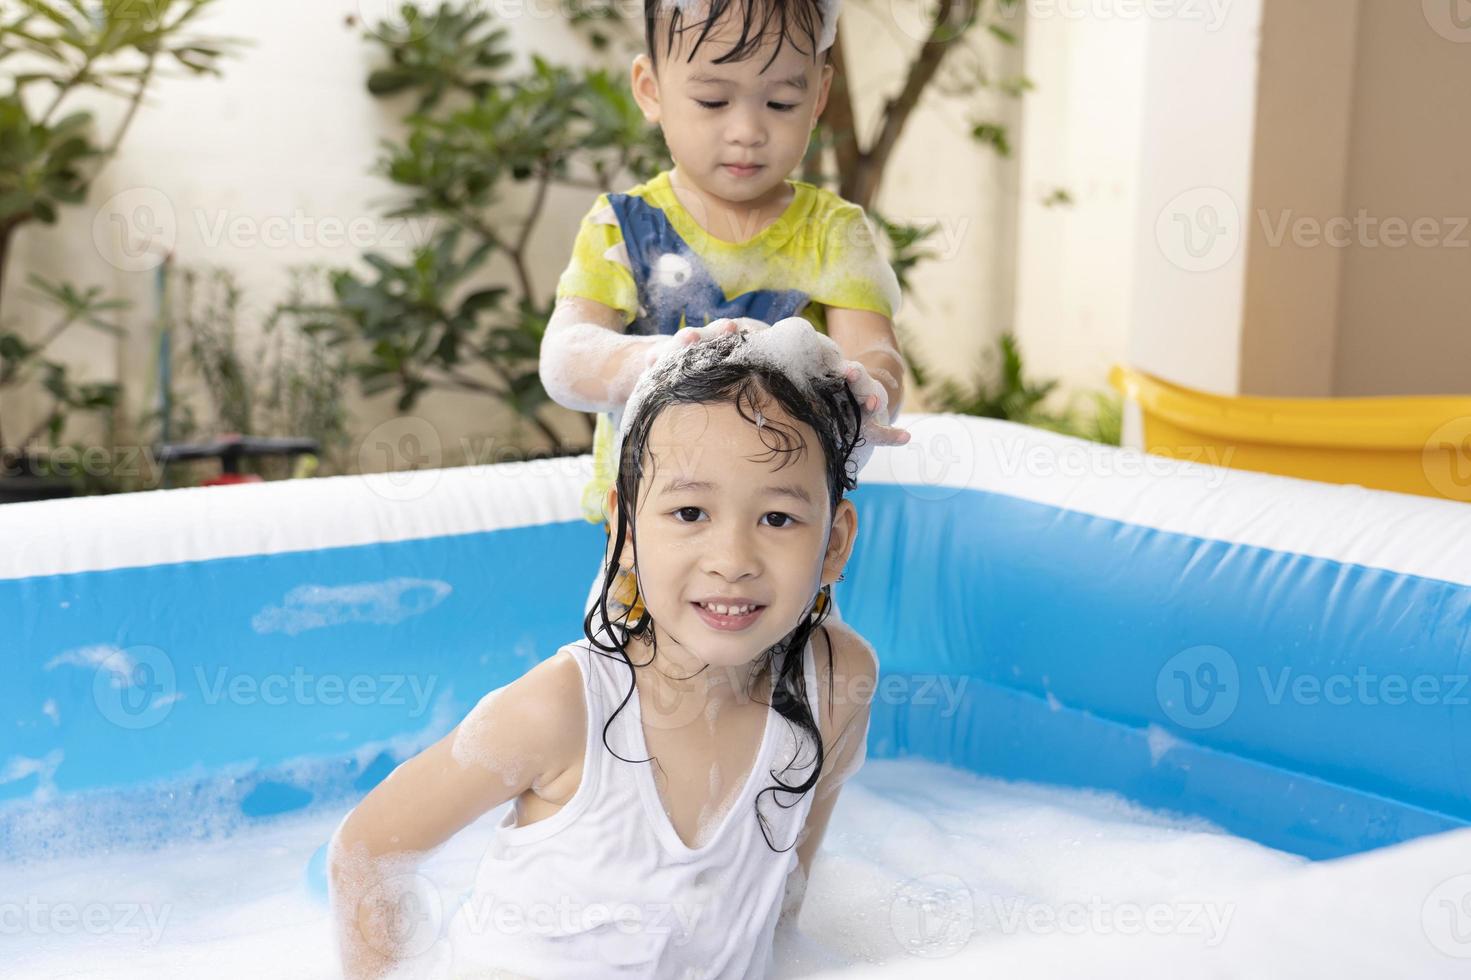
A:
[923, 868]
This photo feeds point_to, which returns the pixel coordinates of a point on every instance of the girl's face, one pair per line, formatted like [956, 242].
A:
[718, 523]
[714, 115]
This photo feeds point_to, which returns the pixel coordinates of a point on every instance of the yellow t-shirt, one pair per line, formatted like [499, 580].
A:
[821, 246]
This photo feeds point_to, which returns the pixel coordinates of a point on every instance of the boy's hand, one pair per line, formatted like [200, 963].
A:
[688, 336]
[873, 399]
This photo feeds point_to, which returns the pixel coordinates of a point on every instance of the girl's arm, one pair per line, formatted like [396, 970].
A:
[589, 364]
[526, 733]
[854, 678]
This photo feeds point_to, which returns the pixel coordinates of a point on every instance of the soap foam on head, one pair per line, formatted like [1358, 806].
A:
[791, 347]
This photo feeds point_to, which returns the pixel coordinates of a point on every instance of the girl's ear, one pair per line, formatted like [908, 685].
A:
[645, 85]
[612, 511]
[840, 541]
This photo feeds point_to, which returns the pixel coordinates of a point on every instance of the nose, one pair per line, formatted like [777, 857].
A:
[745, 128]
[730, 553]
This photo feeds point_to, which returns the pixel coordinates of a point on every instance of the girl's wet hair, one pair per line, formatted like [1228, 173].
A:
[787, 20]
[706, 374]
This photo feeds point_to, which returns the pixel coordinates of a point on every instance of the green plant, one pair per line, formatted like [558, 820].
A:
[50, 157]
[289, 380]
[22, 361]
[1000, 389]
[431, 320]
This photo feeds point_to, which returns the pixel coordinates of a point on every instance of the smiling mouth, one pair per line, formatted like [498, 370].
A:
[733, 618]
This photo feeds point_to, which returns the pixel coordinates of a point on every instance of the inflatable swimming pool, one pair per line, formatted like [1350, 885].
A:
[1287, 659]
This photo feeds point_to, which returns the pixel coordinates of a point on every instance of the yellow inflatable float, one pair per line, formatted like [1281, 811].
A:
[1411, 444]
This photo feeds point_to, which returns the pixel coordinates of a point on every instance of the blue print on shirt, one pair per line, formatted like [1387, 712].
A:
[673, 281]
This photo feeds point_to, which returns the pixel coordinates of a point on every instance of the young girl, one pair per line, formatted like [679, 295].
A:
[674, 770]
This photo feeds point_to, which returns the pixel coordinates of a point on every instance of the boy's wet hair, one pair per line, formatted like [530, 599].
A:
[797, 21]
[706, 374]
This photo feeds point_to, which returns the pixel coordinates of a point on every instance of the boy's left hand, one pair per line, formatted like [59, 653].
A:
[873, 399]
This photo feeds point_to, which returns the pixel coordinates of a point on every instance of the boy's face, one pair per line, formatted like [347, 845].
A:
[721, 516]
[714, 115]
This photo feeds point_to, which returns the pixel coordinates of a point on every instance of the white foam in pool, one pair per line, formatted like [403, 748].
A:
[925, 871]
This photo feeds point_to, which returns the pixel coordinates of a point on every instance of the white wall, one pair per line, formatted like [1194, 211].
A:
[1081, 133]
[267, 168]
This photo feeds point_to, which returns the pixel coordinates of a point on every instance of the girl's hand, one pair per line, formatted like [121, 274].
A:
[873, 399]
[689, 336]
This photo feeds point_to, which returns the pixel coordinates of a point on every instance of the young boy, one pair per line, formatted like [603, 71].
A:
[737, 87]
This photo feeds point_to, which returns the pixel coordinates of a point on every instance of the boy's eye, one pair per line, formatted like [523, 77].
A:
[786, 519]
[778, 106]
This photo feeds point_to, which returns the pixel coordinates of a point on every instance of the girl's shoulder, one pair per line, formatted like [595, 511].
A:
[540, 715]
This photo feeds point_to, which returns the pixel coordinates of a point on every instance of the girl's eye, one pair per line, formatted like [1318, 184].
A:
[682, 510]
[709, 105]
[787, 519]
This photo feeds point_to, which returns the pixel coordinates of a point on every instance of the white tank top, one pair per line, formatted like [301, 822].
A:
[604, 887]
